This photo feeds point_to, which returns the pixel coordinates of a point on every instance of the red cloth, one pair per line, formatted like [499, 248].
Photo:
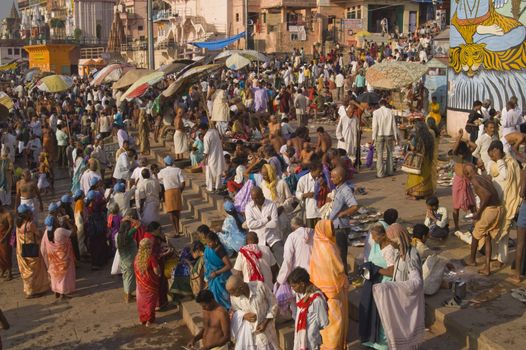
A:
[463, 197]
[303, 306]
[233, 186]
[147, 292]
[252, 254]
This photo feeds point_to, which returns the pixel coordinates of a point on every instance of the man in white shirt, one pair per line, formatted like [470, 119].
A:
[339, 81]
[122, 136]
[262, 218]
[297, 250]
[255, 262]
[123, 165]
[136, 175]
[305, 194]
[214, 158]
[147, 198]
[384, 137]
[482, 144]
[300, 104]
[172, 180]
[89, 176]
[347, 129]
[511, 120]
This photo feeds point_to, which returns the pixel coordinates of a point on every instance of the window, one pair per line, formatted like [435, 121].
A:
[354, 12]
[264, 18]
[237, 17]
[17, 51]
[294, 37]
[9, 52]
[140, 28]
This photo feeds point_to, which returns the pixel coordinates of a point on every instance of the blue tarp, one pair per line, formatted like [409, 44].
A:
[219, 44]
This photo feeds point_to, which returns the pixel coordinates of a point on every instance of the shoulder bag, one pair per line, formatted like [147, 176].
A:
[413, 163]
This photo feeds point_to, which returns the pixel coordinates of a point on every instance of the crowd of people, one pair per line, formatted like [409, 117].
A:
[282, 249]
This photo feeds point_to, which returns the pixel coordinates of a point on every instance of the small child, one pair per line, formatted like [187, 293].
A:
[312, 310]
[387, 250]
[436, 219]
[197, 273]
[420, 234]
[43, 179]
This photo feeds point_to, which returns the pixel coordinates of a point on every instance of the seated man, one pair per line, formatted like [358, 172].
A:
[215, 334]
[254, 309]
[436, 218]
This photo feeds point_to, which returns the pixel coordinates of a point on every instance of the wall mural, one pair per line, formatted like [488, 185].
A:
[487, 57]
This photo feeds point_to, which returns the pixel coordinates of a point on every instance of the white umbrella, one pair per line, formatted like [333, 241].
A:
[236, 62]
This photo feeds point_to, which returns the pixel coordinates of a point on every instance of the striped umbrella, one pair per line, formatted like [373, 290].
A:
[55, 83]
[110, 73]
[140, 86]
[6, 100]
[236, 62]
[191, 75]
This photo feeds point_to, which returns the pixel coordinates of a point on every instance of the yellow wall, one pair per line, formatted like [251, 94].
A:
[51, 57]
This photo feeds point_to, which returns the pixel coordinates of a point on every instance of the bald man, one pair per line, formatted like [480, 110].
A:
[487, 218]
[254, 309]
[344, 206]
[262, 218]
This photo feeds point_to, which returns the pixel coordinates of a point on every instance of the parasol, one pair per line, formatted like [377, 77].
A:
[236, 62]
[4, 112]
[188, 77]
[6, 101]
[176, 66]
[252, 55]
[140, 86]
[363, 33]
[110, 73]
[31, 74]
[369, 98]
[394, 75]
[54, 83]
[131, 77]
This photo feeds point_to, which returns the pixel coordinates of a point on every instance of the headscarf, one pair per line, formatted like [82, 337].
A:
[271, 185]
[326, 266]
[143, 255]
[398, 234]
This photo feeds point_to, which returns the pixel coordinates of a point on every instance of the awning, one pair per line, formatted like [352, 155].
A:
[218, 44]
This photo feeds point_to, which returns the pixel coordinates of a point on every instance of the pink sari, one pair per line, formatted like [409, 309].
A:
[147, 291]
[60, 261]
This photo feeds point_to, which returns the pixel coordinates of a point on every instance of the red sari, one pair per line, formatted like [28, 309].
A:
[147, 290]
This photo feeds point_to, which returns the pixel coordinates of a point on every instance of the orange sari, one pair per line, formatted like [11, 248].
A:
[327, 273]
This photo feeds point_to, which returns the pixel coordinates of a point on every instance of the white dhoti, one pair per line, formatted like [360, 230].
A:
[150, 211]
[180, 142]
[243, 337]
[212, 178]
[33, 203]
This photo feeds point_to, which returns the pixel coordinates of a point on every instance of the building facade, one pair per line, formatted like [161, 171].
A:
[93, 18]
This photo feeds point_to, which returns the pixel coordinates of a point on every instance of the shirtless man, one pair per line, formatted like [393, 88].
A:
[27, 193]
[274, 128]
[324, 141]
[215, 334]
[6, 227]
[487, 218]
[306, 153]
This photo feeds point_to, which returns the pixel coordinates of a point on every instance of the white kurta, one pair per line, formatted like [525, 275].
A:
[148, 190]
[220, 109]
[261, 302]
[215, 165]
[347, 130]
[180, 142]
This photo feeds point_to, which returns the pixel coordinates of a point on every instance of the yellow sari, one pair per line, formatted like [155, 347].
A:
[327, 273]
[421, 186]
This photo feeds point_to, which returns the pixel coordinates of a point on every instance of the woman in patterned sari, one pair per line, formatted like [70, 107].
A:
[147, 273]
[421, 185]
[217, 269]
[32, 269]
[327, 273]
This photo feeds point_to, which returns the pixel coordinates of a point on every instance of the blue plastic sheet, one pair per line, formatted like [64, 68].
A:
[218, 44]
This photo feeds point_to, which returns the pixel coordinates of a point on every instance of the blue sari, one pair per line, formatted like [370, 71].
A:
[75, 181]
[231, 237]
[216, 285]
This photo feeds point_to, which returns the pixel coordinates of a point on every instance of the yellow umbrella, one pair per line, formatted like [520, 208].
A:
[6, 100]
[55, 83]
